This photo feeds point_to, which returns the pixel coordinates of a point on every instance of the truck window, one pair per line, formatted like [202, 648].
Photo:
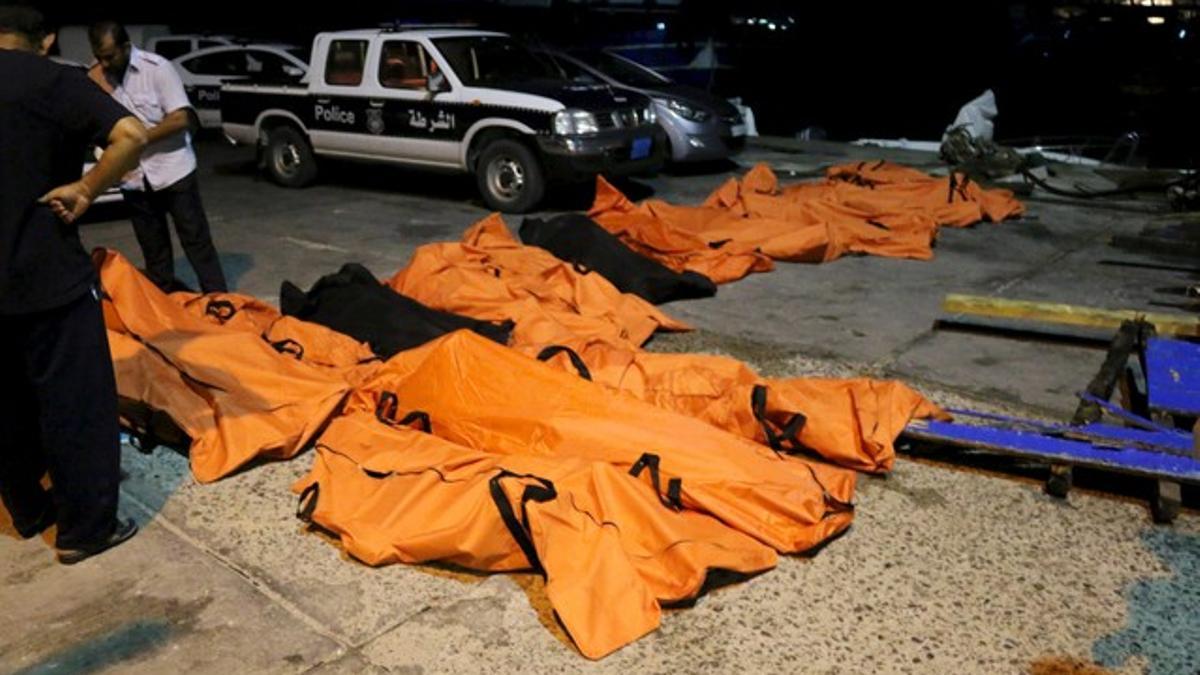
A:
[485, 60]
[345, 63]
[404, 65]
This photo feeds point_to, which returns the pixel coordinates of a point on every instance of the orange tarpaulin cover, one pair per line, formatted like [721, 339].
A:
[876, 209]
[491, 398]
[490, 275]
[851, 422]
[610, 550]
[236, 397]
[305, 341]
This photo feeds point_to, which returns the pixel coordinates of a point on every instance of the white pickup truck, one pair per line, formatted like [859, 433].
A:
[459, 100]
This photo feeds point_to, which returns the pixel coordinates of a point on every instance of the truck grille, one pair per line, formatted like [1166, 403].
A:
[621, 118]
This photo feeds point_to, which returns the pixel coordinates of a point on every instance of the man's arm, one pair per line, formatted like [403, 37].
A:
[125, 144]
[172, 97]
[170, 125]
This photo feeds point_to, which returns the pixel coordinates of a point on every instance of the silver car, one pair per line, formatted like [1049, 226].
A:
[699, 125]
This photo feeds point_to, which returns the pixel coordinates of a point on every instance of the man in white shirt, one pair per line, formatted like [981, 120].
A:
[165, 180]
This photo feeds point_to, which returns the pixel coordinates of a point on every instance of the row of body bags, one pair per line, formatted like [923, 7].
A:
[490, 405]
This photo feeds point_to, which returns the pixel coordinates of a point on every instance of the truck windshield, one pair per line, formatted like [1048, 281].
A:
[483, 60]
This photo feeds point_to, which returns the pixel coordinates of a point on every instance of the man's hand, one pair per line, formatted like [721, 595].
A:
[68, 202]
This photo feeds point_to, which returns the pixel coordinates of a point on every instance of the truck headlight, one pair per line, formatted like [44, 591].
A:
[686, 111]
[575, 122]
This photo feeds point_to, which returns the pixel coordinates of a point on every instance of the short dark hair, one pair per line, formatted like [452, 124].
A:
[23, 20]
[98, 30]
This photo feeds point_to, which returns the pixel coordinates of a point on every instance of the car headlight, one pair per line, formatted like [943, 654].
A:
[686, 111]
[574, 122]
[648, 115]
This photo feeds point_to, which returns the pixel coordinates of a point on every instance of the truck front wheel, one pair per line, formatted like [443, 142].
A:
[290, 160]
[510, 177]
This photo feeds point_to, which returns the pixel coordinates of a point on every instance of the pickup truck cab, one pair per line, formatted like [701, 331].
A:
[450, 99]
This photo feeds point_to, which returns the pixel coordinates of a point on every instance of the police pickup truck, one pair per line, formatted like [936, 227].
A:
[460, 100]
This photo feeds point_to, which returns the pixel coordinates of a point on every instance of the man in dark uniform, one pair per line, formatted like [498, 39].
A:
[60, 413]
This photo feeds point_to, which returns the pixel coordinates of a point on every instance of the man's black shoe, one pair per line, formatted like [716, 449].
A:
[120, 534]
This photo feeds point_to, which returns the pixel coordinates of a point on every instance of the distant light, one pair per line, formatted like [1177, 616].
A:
[1106, 19]
[1182, 33]
[1155, 20]
[791, 20]
[771, 26]
[661, 26]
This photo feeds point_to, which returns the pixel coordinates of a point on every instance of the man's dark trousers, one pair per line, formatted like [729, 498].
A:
[149, 209]
[60, 415]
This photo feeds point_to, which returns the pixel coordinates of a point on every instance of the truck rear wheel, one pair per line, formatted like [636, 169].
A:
[289, 157]
[509, 176]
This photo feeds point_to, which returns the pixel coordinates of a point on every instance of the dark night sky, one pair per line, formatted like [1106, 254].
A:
[854, 69]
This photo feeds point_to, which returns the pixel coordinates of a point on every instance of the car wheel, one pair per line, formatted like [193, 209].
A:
[290, 159]
[510, 177]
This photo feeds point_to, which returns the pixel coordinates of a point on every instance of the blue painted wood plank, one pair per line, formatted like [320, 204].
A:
[1057, 450]
[1173, 376]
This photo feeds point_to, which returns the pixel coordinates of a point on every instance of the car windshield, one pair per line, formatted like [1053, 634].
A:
[483, 60]
[621, 70]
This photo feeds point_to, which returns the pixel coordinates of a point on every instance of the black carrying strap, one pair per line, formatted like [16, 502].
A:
[959, 186]
[673, 499]
[554, 350]
[308, 502]
[222, 310]
[287, 346]
[519, 528]
[787, 434]
[389, 406]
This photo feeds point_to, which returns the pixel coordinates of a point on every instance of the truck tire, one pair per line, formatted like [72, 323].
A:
[290, 160]
[509, 176]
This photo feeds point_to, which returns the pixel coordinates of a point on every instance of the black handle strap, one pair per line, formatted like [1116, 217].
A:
[222, 310]
[554, 350]
[790, 430]
[288, 346]
[580, 267]
[308, 502]
[673, 499]
[958, 185]
[419, 416]
[389, 406]
[542, 492]
[385, 409]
